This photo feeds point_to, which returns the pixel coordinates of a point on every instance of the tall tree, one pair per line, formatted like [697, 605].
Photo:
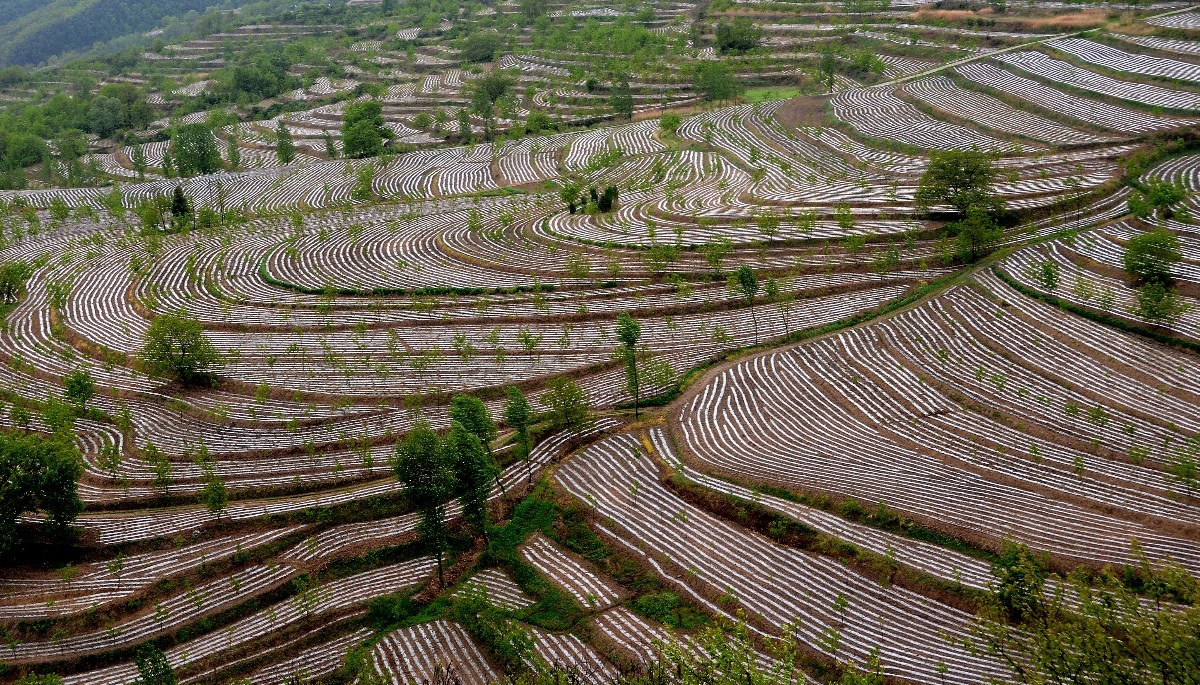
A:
[233, 154]
[474, 471]
[621, 99]
[715, 82]
[518, 414]
[215, 496]
[285, 149]
[428, 478]
[81, 387]
[747, 284]
[194, 150]
[363, 129]
[474, 416]
[568, 404]
[629, 332]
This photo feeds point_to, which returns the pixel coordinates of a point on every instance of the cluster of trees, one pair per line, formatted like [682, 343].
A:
[437, 469]
[590, 202]
[363, 131]
[259, 72]
[434, 470]
[1136, 625]
[64, 120]
[1148, 260]
[39, 33]
[962, 180]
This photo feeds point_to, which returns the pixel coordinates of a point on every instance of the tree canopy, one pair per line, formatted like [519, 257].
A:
[363, 129]
[568, 404]
[715, 82]
[959, 178]
[194, 149]
[429, 481]
[482, 47]
[1149, 256]
[175, 347]
[37, 473]
[737, 36]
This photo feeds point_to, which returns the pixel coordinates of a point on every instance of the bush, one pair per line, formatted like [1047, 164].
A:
[670, 122]
[1156, 302]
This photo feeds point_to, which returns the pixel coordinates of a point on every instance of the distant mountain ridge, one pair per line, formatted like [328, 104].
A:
[32, 31]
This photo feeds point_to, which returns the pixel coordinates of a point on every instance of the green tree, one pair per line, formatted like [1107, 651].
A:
[175, 347]
[37, 473]
[285, 149]
[153, 667]
[629, 331]
[81, 387]
[960, 178]
[1158, 303]
[828, 66]
[474, 472]
[738, 36]
[977, 234]
[621, 99]
[104, 116]
[567, 404]
[474, 416]
[363, 129]
[1048, 274]
[482, 47]
[428, 478]
[518, 414]
[215, 495]
[138, 159]
[13, 276]
[1139, 627]
[747, 284]
[233, 154]
[714, 81]
[194, 150]
[364, 183]
[1149, 256]
[180, 207]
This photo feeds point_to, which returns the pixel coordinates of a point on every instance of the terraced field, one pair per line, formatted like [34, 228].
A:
[872, 370]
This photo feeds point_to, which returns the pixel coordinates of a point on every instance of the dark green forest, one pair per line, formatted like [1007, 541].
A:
[32, 31]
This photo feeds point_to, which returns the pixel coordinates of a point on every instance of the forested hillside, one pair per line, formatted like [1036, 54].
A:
[35, 30]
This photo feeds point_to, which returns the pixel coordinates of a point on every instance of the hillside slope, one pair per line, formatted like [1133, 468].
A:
[35, 30]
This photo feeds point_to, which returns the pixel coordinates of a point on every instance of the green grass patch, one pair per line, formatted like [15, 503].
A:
[771, 94]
